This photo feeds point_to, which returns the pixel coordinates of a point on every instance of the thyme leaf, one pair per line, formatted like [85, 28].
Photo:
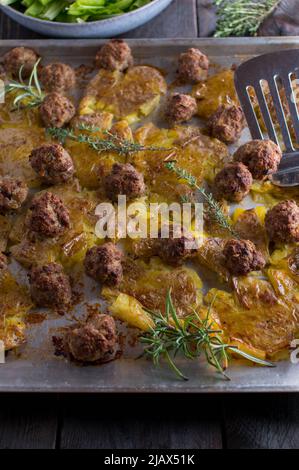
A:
[214, 208]
[111, 143]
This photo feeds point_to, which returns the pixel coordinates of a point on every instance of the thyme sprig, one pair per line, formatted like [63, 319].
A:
[28, 95]
[242, 17]
[112, 142]
[214, 208]
[191, 336]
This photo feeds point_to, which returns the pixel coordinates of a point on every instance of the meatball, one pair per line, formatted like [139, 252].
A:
[124, 179]
[193, 66]
[96, 341]
[56, 110]
[241, 257]
[20, 57]
[58, 77]
[48, 216]
[52, 163]
[115, 55]
[50, 286]
[262, 157]
[175, 250]
[180, 108]
[13, 193]
[233, 182]
[227, 123]
[282, 222]
[103, 264]
[3, 262]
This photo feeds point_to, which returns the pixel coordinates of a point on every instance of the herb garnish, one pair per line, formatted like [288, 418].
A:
[112, 143]
[214, 208]
[191, 336]
[27, 95]
[242, 17]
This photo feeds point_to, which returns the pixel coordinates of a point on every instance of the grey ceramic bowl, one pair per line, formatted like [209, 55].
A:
[96, 29]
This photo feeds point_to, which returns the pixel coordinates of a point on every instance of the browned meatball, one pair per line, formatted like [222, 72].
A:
[115, 55]
[56, 110]
[262, 157]
[282, 222]
[52, 163]
[58, 77]
[3, 262]
[233, 182]
[175, 250]
[124, 179]
[13, 193]
[241, 257]
[193, 66]
[103, 264]
[50, 286]
[20, 57]
[48, 216]
[227, 123]
[96, 341]
[180, 108]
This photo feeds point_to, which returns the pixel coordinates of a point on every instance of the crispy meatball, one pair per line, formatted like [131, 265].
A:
[96, 341]
[193, 66]
[13, 193]
[180, 108]
[175, 250]
[48, 216]
[115, 55]
[58, 77]
[52, 163]
[241, 257]
[282, 222]
[227, 123]
[233, 182]
[3, 262]
[262, 157]
[50, 286]
[56, 110]
[103, 264]
[20, 57]
[124, 179]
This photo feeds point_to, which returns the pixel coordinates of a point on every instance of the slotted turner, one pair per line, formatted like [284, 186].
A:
[273, 67]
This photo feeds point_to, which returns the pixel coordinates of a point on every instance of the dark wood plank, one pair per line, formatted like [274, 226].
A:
[178, 20]
[9, 29]
[261, 422]
[137, 422]
[28, 422]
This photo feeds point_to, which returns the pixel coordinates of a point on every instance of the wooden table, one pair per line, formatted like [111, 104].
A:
[161, 422]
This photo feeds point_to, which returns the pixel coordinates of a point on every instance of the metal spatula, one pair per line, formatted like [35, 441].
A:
[276, 69]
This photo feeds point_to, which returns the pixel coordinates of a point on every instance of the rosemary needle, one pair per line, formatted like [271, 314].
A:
[213, 205]
[27, 95]
[191, 336]
[112, 143]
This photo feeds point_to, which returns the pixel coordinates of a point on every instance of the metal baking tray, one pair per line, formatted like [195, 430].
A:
[34, 370]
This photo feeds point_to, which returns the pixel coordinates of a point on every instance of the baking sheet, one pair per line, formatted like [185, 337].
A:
[36, 370]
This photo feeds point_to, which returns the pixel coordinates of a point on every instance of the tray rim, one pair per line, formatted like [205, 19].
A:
[168, 386]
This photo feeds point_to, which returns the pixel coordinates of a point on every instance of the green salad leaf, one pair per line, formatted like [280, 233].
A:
[75, 10]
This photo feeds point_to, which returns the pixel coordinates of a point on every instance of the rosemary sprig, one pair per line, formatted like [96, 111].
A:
[112, 143]
[214, 208]
[192, 337]
[242, 17]
[28, 95]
